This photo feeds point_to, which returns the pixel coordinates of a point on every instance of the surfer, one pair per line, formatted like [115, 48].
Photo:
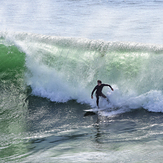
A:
[98, 89]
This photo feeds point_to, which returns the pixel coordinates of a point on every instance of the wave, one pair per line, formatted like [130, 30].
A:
[63, 69]
[12, 63]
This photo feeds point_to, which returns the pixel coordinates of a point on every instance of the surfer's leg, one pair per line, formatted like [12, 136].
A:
[97, 100]
[104, 97]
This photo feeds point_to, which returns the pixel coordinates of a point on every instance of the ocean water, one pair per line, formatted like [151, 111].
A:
[51, 55]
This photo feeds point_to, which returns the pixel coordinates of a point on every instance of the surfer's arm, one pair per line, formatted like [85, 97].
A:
[93, 92]
[109, 86]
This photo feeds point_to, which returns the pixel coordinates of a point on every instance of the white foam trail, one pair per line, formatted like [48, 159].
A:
[151, 101]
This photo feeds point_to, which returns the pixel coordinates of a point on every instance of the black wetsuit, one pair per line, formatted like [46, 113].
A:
[98, 89]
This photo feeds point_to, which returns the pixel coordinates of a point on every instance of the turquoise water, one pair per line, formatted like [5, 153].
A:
[50, 60]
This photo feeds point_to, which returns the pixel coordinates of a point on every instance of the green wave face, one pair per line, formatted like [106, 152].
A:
[12, 63]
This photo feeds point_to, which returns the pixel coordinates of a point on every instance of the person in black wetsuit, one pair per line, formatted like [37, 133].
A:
[98, 89]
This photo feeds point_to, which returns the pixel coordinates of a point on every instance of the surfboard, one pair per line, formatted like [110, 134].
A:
[97, 111]
[90, 112]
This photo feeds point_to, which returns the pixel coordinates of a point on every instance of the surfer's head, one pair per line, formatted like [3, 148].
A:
[99, 82]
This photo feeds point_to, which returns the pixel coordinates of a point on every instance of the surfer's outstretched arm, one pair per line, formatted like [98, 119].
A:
[109, 86]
